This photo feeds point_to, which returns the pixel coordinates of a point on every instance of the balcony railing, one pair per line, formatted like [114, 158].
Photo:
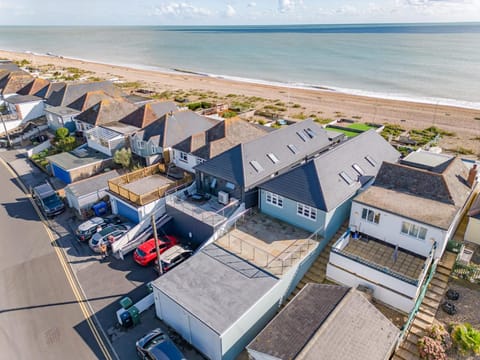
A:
[116, 185]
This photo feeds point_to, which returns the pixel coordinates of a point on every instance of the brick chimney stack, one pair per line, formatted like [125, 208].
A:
[472, 175]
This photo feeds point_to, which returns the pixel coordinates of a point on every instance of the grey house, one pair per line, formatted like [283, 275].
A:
[317, 195]
[326, 322]
[240, 170]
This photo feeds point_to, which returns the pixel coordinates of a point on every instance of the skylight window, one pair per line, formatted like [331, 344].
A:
[371, 160]
[346, 178]
[301, 136]
[273, 158]
[358, 169]
[293, 148]
[310, 133]
[256, 166]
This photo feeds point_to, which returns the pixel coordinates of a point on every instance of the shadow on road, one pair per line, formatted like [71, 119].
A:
[21, 209]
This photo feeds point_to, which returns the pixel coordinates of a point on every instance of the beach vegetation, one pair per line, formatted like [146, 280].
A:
[460, 150]
[241, 106]
[356, 117]
[231, 95]
[276, 125]
[199, 105]
[427, 135]
[391, 130]
[296, 106]
[23, 62]
[322, 120]
[466, 338]
[274, 108]
[123, 157]
[94, 78]
[129, 84]
[280, 103]
[262, 122]
[227, 114]
[299, 116]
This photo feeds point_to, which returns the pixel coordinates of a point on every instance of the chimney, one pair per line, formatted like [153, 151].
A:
[472, 175]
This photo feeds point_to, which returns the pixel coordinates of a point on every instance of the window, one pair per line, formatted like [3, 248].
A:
[306, 211]
[301, 136]
[274, 199]
[230, 186]
[371, 160]
[183, 156]
[200, 160]
[413, 230]
[371, 216]
[346, 178]
[273, 158]
[256, 166]
[358, 169]
[310, 133]
[140, 144]
[293, 148]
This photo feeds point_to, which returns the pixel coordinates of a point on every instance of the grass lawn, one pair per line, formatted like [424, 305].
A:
[346, 132]
[360, 126]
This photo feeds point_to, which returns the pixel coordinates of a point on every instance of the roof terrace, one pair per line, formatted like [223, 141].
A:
[268, 243]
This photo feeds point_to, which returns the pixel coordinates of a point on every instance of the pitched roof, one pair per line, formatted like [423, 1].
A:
[148, 113]
[430, 196]
[327, 322]
[14, 81]
[318, 182]
[69, 93]
[170, 129]
[250, 163]
[474, 210]
[107, 111]
[37, 87]
[89, 99]
[223, 136]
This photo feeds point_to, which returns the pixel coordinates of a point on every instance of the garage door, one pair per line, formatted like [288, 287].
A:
[61, 174]
[126, 211]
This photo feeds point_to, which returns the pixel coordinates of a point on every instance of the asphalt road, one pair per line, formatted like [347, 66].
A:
[40, 317]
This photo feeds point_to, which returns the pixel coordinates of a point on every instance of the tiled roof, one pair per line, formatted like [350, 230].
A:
[37, 87]
[107, 111]
[89, 99]
[250, 163]
[14, 82]
[69, 93]
[173, 128]
[327, 322]
[148, 113]
[318, 182]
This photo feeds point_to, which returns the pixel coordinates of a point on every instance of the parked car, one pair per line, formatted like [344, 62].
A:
[156, 345]
[172, 257]
[86, 229]
[107, 236]
[146, 252]
[48, 200]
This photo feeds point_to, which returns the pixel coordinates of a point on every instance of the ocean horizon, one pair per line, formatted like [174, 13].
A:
[436, 63]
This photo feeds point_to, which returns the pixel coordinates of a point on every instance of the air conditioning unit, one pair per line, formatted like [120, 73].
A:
[223, 197]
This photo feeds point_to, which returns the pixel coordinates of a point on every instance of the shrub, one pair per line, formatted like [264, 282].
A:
[466, 338]
[431, 349]
[229, 114]
[61, 133]
[123, 157]
[439, 333]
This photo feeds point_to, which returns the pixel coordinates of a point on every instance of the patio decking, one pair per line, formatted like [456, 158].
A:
[148, 184]
[267, 242]
[382, 254]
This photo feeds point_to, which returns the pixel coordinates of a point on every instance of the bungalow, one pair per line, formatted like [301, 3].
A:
[155, 141]
[239, 171]
[78, 164]
[316, 196]
[326, 322]
[12, 81]
[81, 195]
[205, 145]
[401, 225]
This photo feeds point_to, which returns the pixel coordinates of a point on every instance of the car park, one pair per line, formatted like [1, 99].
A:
[147, 252]
[172, 257]
[156, 345]
[107, 236]
[88, 228]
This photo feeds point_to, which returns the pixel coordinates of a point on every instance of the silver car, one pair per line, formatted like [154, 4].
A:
[107, 236]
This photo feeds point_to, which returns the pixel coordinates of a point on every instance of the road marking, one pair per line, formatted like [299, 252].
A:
[81, 300]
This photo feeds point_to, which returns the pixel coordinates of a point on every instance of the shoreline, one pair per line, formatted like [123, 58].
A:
[327, 104]
[287, 85]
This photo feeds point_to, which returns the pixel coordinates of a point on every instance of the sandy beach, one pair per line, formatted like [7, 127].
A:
[463, 122]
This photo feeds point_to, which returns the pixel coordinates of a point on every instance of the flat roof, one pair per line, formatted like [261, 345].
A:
[147, 184]
[426, 160]
[20, 99]
[92, 184]
[77, 158]
[61, 110]
[216, 286]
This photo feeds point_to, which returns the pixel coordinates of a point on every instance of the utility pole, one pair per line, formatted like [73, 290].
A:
[9, 142]
[157, 249]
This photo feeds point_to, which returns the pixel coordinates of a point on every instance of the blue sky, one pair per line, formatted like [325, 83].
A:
[224, 12]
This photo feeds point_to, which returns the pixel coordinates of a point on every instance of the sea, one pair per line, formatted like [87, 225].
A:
[432, 63]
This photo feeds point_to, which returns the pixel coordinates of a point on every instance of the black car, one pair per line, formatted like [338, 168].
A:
[156, 345]
[48, 200]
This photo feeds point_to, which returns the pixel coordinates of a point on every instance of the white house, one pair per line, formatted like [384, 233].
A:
[472, 233]
[400, 225]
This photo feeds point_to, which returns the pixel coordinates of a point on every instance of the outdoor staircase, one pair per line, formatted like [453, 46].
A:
[318, 270]
[433, 298]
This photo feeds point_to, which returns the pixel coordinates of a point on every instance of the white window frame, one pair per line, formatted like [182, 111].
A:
[200, 161]
[273, 199]
[413, 230]
[140, 144]
[371, 216]
[306, 211]
[183, 156]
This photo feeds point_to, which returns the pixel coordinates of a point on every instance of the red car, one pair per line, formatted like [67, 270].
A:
[146, 252]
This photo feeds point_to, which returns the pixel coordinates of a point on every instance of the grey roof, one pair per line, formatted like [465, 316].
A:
[137, 99]
[69, 93]
[215, 286]
[92, 184]
[21, 99]
[106, 111]
[61, 110]
[327, 322]
[249, 164]
[173, 128]
[474, 210]
[427, 160]
[8, 65]
[148, 113]
[426, 196]
[77, 158]
[318, 182]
